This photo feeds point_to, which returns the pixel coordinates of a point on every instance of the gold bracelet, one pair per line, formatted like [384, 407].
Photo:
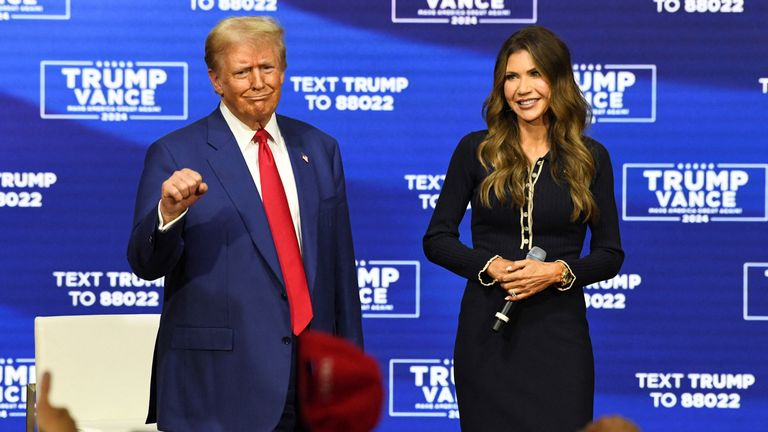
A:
[485, 267]
[567, 278]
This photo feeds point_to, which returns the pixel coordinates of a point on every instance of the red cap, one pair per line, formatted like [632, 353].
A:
[339, 385]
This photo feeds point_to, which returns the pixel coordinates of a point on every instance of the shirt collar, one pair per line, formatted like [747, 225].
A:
[244, 134]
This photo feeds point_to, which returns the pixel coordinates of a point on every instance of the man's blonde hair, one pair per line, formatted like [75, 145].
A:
[244, 29]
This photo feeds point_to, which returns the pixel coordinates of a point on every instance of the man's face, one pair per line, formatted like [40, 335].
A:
[249, 77]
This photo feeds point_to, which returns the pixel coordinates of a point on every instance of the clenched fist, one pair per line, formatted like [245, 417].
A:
[182, 189]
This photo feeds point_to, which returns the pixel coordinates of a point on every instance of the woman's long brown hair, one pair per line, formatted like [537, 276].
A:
[568, 115]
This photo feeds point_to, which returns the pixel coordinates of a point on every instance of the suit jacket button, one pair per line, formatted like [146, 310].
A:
[287, 340]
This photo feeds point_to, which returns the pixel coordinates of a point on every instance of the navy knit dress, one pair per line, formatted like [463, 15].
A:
[537, 374]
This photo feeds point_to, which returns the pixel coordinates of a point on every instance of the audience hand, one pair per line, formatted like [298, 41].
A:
[49, 417]
[612, 423]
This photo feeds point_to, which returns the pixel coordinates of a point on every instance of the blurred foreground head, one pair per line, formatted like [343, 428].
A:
[340, 387]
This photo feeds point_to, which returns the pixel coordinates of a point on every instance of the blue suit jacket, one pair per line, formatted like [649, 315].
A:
[223, 351]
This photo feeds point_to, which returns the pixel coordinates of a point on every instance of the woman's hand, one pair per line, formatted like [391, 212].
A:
[524, 278]
[498, 268]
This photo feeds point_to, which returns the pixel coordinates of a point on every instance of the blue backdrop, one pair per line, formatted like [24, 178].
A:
[680, 94]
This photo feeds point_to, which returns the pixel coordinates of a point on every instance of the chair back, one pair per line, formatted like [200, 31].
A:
[100, 366]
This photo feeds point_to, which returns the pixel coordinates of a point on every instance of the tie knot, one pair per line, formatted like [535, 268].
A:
[261, 136]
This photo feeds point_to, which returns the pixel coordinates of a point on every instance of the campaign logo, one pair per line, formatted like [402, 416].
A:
[234, 5]
[113, 90]
[350, 93]
[698, 390]
[24, 189]
[464, 12]
[764, 84]
[112, 289]
[611, 293]
[389, 289]
[700, 6]
[422, 388]
[756, 291]
[619, 93]
[34, 10]
[695, 192]
[15, 374]
[428, 187]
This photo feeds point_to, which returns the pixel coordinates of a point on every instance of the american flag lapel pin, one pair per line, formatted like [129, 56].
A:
[305, 158]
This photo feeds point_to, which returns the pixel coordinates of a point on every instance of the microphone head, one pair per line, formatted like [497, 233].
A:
[536, 253]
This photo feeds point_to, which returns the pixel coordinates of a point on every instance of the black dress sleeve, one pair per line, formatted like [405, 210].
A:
[441, 243]
[605, 253]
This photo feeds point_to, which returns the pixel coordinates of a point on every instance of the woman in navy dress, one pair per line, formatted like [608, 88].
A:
[533, 179]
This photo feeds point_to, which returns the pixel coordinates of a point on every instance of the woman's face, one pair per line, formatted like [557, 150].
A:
[526, 90]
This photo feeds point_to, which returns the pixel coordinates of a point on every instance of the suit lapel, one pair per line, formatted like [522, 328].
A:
[227, 162]
[306, 188]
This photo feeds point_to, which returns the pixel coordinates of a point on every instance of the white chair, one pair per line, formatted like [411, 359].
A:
[100, 368]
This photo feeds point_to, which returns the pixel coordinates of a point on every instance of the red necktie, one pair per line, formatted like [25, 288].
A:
[284, 236]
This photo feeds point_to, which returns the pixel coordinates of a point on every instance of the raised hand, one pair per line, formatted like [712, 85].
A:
[182, 189]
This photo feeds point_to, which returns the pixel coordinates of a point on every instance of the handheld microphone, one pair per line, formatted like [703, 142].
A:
[537, 254]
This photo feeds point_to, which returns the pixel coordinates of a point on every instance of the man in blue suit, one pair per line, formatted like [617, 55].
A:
[225, 353]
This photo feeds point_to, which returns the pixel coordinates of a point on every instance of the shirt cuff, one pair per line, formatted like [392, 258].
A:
[573, 280]
[165, 227]
[482, 271]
